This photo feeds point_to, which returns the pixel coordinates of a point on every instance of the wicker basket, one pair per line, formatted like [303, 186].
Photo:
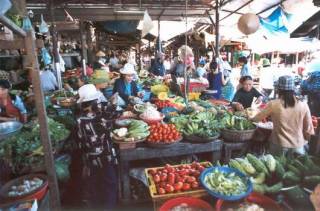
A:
[198, 139]
[237, 135]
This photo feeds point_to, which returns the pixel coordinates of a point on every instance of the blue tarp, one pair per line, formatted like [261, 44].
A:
[277, 22]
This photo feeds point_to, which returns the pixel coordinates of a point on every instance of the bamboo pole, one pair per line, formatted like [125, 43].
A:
[44, 129]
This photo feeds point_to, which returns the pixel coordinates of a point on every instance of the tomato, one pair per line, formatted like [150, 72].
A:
[191, 179]
[171, 178]
[163, 177]
[165, 171]
[182, 172]
[161, 191]
[196, 173]
[162, 184]
[169, 188]
[152, 171]
[201, 168]
[186, 186]
[195, 184]
[156, 178]
[178, 186]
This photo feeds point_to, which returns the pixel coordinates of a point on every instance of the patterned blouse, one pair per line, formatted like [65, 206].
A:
[94, 136]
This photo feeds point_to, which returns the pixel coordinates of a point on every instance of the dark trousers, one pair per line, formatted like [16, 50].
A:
[314, 103]
[101, 187]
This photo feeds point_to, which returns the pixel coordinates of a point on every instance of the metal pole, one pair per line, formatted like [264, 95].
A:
[42, 116]
[217, 29]
[84, 54]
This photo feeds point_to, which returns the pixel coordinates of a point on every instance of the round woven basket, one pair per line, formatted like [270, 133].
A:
[237, 135]
[198, 139]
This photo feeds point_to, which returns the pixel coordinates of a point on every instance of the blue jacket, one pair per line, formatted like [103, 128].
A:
[120, 87]
[158, 68]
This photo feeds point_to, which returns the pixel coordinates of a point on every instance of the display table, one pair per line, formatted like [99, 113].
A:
[143, 152]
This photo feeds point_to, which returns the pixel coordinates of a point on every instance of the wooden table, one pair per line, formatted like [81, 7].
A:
[144, 153]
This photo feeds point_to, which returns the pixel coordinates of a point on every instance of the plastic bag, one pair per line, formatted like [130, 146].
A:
[46, 58]
[5, 6]
[26, 24]
[147, 24]
[43, 28]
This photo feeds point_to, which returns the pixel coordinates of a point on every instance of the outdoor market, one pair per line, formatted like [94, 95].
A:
[164, 105]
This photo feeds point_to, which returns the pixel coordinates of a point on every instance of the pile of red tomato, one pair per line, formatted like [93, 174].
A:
[177, 179]
[163, 133]
[163, 103]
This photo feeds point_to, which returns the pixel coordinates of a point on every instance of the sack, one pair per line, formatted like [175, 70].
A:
[43, 28]
[26, 24]
[5, 6]
[46, 58]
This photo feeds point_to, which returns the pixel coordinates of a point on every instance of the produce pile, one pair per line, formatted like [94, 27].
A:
[270, 174]
[25, 148]
[237, 122]
[163, 133]
[26, 187]
[136, 130]
[202, 124]
[228, 184]
[173, 179]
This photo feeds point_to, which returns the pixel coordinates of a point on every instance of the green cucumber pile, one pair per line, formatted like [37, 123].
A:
[228, 184]
[270, 174]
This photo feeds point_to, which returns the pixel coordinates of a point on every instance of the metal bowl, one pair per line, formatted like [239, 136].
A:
[9, 128]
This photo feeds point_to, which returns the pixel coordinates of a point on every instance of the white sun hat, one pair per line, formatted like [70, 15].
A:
[87, 93]
[128, 69]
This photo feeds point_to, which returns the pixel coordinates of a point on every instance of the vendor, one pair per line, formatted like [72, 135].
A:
[244, 96]
[125, 86]
[292, 123]
[99, 174]
[100, 61]
[158, 68]
[216, 80]
[11, 106]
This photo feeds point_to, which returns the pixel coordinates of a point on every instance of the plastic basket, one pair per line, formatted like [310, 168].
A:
[237, 135]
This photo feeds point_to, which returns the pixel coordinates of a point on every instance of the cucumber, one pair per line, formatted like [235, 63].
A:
[294, 170]
[311, 180]
[259, 188]
[275, 188]
[279, 170]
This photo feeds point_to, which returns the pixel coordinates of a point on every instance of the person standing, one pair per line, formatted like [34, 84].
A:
[216, 80]
[292, 123]
[100, 60]
[245, 69]
[158, 68]
[267, 77]
[99, 174]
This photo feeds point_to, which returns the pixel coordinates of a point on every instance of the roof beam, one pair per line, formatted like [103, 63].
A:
[237, 10]
[272, 6]
[229, 11]
[210, 18]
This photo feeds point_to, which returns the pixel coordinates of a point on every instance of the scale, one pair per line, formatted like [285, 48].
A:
[8, 129]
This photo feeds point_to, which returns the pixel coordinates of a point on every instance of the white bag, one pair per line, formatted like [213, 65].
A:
[147, 24]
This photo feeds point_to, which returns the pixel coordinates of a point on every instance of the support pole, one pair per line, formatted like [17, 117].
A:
[186, 77]
[55, 52]
[12, 26]
[84, 53]
[44, 129]
[217, 29]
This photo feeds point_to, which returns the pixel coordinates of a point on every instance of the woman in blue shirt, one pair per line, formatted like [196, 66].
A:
[125, 86]
[216, 80]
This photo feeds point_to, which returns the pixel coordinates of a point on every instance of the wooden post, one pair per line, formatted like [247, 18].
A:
[42, 117]
[297, 58]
